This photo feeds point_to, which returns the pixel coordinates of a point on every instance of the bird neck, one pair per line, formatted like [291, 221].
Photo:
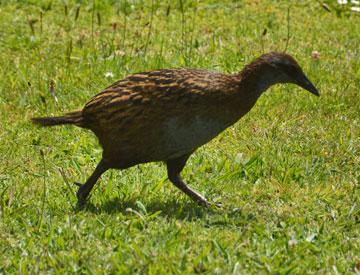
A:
[256, 78]
[251, 82]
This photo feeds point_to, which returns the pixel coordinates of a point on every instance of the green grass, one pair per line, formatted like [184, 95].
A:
[287, 173]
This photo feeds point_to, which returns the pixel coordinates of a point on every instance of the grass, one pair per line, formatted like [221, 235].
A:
[287, 173]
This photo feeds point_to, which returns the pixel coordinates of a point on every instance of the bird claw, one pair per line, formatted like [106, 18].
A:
[205, 203]
[79, 194]
[81, 203]
[218, 204]
[78, 184]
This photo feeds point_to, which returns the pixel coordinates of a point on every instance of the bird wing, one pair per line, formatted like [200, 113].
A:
[150, 92]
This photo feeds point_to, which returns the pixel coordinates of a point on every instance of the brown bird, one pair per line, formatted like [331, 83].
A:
[165, 115]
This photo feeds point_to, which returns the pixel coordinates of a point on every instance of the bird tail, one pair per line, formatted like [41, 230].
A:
[75, 118]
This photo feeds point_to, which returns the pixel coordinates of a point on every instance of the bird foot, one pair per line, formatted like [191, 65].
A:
[78, 184]
[80, 195]
[205, 203]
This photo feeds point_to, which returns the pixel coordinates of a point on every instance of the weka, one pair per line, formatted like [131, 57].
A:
[165, 115]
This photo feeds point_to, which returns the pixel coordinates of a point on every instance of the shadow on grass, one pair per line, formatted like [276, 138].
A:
[174, 209]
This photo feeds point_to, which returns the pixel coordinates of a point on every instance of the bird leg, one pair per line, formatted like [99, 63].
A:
[174, 167]
[84, 189]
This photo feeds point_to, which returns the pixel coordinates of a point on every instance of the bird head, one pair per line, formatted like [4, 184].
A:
[289, 71]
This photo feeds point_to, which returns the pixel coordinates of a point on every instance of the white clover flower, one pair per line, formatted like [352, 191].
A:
[109, 75]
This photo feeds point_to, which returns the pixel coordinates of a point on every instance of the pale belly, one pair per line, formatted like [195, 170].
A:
[182, 137]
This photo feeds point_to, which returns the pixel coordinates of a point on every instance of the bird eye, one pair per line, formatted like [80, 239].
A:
[289, 69]
[292, 68]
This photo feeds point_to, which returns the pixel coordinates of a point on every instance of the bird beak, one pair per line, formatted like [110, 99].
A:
[307, 85]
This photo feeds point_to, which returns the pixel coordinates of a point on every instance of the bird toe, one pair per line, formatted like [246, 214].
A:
[78, 184]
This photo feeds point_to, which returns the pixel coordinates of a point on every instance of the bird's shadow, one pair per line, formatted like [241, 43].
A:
[173, 209]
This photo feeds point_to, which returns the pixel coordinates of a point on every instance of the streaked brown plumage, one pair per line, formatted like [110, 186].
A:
[165, 115]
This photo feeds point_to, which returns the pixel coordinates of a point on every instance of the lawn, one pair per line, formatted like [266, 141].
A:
[287, 173]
